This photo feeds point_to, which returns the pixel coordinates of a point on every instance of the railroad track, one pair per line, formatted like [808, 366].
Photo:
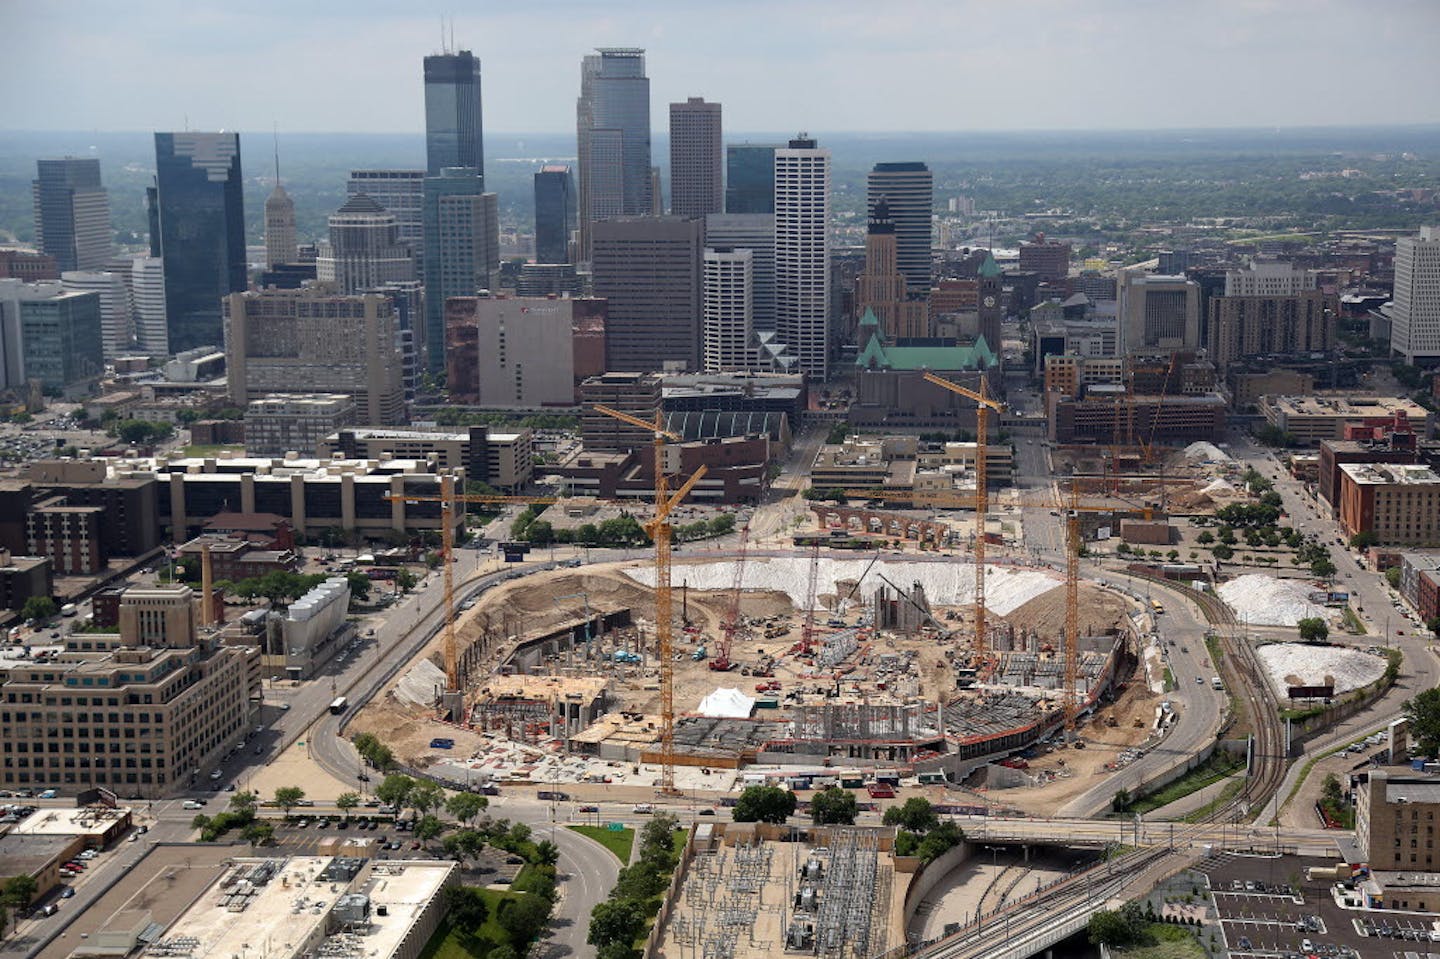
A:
[1246, 677]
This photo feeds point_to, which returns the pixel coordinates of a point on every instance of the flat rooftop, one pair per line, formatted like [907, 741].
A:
[1347, 406]
[85, 821]
[283, 907]
[545, 688]
[23, 855]
[1412, 790]
[1390, 474]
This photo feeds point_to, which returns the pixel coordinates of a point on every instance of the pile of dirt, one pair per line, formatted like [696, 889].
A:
[1100, 609]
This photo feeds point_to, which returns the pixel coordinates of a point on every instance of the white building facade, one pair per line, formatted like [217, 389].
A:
[802, 254]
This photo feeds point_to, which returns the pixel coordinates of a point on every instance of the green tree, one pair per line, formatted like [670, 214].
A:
[405, 580]
[347, 801]
[1392, 576]
[939, 841]
[428, 827]
[468, 910]
[244, 801]
[464, 807]
[916, 814]
[1323, 568]
[1313, 629]
[259, 833]
[1121, 800]
[394, 790]
[288, 797]
[1364, 540]
[524, 919]
[1330, 789]
[547, 853]
[833, 807]
[1222, 552]
[39, 608]
[1106, 928]
[19, 890]
[1205, 538]
[359, 586]
[426, 797]
[463, 844]
[1423, 711]
[764, 804]
[616, 920]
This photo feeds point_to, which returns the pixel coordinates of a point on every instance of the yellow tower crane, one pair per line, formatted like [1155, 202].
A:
[984, 403]
[660, 532]
[447, 499]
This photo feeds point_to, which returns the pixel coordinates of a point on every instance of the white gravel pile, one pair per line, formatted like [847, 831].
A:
[1218, 485]
[1203, 452]
[417, 686]
[1262, 600]
[1314, 665]
[945, 584]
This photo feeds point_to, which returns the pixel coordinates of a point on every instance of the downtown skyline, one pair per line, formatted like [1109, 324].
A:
[925, 66]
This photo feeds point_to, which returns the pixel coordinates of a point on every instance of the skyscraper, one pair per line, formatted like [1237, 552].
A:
[802, 254]
[750, 178]
[697, 184]
[612, 138]
[364, 250]
[198, 210]
[116, 313]
[1415, 317]
[726, 325]
[280, 241]
[881, 288]
[648, 269]
[147, 288]
[401, 192]
[453, 134]
[1158, 312]
[909, 191]
[72, 213]
[554, 213]
[462, 248]
[754, 232]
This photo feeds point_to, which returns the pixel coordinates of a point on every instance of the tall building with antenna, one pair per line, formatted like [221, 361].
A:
[453, 133]
[281, 245]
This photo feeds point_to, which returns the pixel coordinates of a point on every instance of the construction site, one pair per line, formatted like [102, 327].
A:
[643, 673]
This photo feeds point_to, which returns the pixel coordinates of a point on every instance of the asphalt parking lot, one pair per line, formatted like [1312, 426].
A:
[1269, 910]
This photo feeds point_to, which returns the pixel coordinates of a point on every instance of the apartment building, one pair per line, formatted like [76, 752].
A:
[294, 422]
[1317, 417]
[1398, 502]
[504, 460]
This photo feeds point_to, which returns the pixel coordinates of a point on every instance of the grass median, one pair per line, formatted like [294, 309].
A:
[618, 841]
[1220, 765]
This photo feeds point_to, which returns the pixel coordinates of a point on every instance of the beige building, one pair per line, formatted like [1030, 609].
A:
[511, 351]
[1249, 326]
[1323, 416]
[289, 908]
[294, 422]
[316, 341]
[1158, 312]
[141, 713]
[1395, 821]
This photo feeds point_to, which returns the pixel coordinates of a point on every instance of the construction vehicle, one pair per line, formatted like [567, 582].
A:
[660, 532]
[452, 700]
[983, 405]
[722, 663]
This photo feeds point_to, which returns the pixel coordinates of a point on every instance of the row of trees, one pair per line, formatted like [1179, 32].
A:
[619, 921]
[921, 832]
[16, 894]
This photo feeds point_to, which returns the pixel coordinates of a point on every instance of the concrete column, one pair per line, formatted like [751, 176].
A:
[177, 507]
[347, 501]
[297, 503]
[247, 493]
[397, 506]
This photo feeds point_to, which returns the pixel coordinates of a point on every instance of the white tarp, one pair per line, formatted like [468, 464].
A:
[727, 703]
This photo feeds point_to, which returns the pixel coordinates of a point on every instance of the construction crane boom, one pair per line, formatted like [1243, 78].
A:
[731, 626]
[660, 531]
[983, 405]
[447, 500]
[807, 628]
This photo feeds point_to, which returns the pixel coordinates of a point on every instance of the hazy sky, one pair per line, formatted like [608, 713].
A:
[776, 65]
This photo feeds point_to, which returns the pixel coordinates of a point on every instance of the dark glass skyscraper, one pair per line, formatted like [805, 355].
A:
[453, 134]
[72, 213]
[750, 178]
[613, 138]
[908, 190]
[554, 213]
[200, 212]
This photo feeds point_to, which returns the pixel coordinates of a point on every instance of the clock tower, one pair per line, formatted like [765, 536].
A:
[990, 309]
